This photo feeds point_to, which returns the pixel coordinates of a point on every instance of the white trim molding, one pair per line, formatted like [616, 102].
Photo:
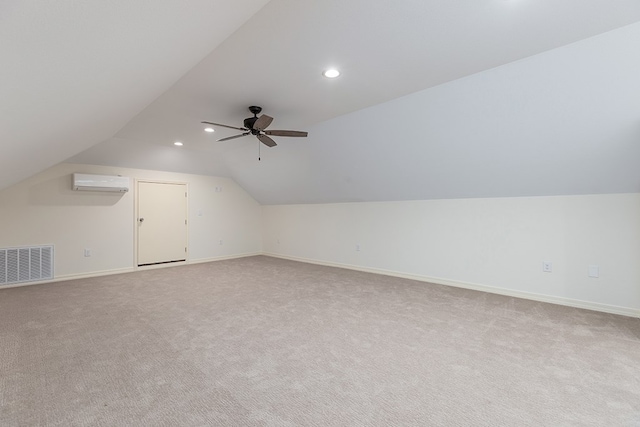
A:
[127, 270]
[223, 258]
[587, 305]
[73, 277]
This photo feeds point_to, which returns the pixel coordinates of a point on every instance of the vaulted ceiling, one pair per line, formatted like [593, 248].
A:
[437, 99]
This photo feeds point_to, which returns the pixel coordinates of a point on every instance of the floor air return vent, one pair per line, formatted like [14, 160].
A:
[26, 264]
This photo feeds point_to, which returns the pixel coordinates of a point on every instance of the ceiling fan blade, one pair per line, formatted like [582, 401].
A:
[286, 133]
[266, 140]
[224, 126]
[263, 122]
[234, 136]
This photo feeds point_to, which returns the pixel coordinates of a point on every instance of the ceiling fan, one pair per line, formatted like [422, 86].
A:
[256, 126]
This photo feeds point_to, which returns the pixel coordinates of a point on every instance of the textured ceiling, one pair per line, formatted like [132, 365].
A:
[467, 98]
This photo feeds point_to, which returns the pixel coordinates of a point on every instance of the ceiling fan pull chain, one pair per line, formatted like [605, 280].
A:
[258, 150]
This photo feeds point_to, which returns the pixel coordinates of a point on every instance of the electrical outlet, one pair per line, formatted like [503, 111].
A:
[358, 247]
[221, 241]
[87, 253]
[278, 241]
[594, 271]
[547, 266]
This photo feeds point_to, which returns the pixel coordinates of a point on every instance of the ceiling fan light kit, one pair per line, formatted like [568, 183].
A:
[257, 126]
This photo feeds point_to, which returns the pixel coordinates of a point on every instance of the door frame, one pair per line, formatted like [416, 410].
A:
[136, 228]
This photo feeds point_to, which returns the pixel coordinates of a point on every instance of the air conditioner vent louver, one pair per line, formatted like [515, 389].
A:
[26, 264]
[89, 182]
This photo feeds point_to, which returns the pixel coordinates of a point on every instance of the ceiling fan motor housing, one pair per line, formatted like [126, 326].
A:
[248, 123]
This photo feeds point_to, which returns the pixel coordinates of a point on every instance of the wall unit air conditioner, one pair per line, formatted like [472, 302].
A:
[86, 182]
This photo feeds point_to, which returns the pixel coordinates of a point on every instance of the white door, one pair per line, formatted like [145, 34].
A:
[162, 223]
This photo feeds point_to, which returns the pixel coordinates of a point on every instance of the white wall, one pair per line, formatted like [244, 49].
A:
[478, 243]
[44, 210]
[492, 244]
[561, 122]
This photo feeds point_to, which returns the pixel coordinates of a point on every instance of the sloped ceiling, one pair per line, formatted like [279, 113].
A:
[467, 98]
[73, 73]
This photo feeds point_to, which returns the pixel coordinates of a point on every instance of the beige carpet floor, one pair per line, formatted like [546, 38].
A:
[266, 342]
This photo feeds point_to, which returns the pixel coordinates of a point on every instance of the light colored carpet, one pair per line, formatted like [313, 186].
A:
[266, 342]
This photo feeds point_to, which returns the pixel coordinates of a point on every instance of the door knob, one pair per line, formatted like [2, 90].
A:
[141, 220]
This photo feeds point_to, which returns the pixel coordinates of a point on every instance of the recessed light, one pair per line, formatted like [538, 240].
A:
[209, 130]
[331, 73]
[178, 143]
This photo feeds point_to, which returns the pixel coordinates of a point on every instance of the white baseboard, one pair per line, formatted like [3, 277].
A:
[196, 261]
[605, 308]
[73, 277]
[126, 270]
[225, 257]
